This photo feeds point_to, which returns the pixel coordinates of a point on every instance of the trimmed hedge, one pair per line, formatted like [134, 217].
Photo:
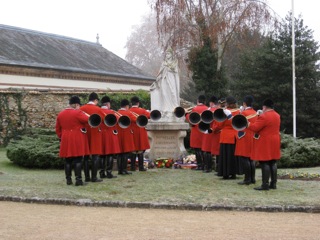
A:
[38, 148]
[298, 153]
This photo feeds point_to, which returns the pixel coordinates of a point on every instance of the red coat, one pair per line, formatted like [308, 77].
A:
[74, 142]
[195, 134]
[94, 133]
[244, 144]
[126, 140]
[110, 140]
[267, 146]
[207, 137]
[228, 134]
[140, 134]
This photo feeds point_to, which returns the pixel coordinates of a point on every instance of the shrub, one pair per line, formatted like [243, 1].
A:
[297, 153]
[38, 148]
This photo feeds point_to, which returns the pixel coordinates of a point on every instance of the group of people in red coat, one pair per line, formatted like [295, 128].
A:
[237, 151]
[81, 141]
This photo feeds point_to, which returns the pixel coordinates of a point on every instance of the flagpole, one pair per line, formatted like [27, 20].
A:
[293, 74]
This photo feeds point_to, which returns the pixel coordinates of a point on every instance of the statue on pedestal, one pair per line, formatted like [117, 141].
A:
[165, 91]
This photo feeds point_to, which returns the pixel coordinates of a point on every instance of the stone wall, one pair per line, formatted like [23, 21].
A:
[21, 109]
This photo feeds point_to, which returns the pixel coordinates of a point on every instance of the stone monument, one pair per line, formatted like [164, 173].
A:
[167, 134]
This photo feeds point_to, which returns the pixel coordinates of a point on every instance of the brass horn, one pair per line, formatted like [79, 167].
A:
[219, 116]
[207, 116]
[194, 118]
[240, 122]
[203, 127]
[180, 111]
[141, 120]
[110, 120]
[123, 121]
[155, 115]
[94, 120]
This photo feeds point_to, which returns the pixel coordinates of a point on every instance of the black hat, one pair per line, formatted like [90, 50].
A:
[231, 100]
[93, 96]
[248, 100]
[105, 99]
[268, 103]
[135, 100]
[222, 100]
[201, 99]
[74, 100]
[124, 103]
[213, 99]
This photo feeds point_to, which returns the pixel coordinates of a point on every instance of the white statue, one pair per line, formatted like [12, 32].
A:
[165, 91]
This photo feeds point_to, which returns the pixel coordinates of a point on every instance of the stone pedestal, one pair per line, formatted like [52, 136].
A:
[167, 138]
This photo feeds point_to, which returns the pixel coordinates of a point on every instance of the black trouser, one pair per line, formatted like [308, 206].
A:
[199, 157]
[77, 162]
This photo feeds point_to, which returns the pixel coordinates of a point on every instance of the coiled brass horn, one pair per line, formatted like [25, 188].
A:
[203, 127]
[239, 122]
[94, 120]
[110, 120]
[194, 118]
[207, 116]
[219, 116]
[141, 120]
[155, 115]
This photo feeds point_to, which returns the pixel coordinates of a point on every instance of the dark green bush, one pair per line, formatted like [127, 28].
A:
[297, 153]
[38, 148]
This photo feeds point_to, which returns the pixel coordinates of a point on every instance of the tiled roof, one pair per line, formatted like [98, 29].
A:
[24, 47]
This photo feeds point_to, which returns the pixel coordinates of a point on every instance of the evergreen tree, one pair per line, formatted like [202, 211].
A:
[203, 64]
[266, 72]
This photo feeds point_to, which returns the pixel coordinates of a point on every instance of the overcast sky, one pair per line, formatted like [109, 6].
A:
[112, 19]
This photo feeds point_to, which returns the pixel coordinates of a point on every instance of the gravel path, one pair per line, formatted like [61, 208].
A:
[38, 221]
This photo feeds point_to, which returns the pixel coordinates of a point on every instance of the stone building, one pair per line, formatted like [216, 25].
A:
[37, 60]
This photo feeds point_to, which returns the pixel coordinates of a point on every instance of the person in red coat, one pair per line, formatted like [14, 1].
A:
[94, 138]
[70, 125]
[244, 143]
[110, 141]
[140, 135]
[196, 135]
[267, 144]
[227, 167]
[208, 139]
[126, 140]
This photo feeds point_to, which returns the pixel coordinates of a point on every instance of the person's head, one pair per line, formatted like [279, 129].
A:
[135, 101]
[213, 100]
[247, 101]
[201, 99]
[222, 102]
[231, 102]
[93, 97]
[267, 104]
[105, 101]
[74, 102]
[124, 103]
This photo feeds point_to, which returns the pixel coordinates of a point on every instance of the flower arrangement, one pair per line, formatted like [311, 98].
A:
[163, 162]
[298, 175]
[189, 159]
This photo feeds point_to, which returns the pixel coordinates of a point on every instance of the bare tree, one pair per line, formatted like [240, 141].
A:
[184, 23]
[146, 52]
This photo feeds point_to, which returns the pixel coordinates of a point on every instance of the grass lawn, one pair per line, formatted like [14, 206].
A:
[169, 186]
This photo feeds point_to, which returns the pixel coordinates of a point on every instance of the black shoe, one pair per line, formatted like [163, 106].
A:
[262, 188]
[142, 170]
[233, 177]
[79, 183]
[109, 175]
[272, 186]
[96, 180]
[102, 174]
[87, 180]
[126, 172]
[69, 182]
[253, 181]
[244, 183]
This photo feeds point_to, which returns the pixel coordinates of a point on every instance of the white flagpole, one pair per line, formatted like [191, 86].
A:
[293, 74]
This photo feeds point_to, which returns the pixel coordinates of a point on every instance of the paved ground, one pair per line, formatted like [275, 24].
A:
[37, 221]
